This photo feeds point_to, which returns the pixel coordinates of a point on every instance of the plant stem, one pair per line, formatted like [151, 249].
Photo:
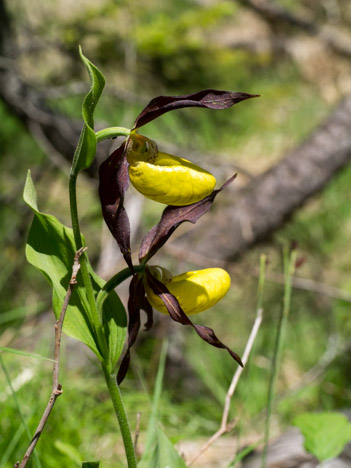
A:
[113, 282]
[289, 270]
[84, 263]
[111, 132]
[121, 414]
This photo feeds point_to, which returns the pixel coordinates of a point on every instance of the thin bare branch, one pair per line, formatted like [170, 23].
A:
[137, 432]
[56, 388]
[306, 284]
[225, 425]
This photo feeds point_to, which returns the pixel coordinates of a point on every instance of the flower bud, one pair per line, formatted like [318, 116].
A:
[195, 291]
[165, 178]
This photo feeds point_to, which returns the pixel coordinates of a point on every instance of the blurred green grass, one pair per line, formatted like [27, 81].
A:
[256, 133]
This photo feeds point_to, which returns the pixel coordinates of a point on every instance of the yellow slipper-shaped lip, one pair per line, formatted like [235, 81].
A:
[195, 291]
[165, 178]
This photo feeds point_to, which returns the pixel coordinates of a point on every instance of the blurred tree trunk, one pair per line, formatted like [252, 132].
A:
[263, 206]
[56, 133]
[257, 210]
[279, 18]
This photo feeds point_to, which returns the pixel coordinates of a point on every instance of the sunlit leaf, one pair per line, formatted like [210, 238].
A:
[51, 249]
[86, 149]
[326, 434]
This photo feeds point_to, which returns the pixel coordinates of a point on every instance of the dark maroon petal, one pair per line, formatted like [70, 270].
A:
[208, 335]
[207, 98]
[178, 315]
[123, 368]
[147, 308]
[136, 291]
[137, 301]
[171, 218]
[114, 182]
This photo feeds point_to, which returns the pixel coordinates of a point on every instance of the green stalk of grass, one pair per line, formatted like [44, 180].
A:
[13, 443]
[24, 353]
[289, 259]
[23, 311]
[14, 395]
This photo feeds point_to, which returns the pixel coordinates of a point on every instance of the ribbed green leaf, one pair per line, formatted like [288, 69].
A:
[86, 149]
[114, 320]
[51, 249]
[161, 454]
[326, 434]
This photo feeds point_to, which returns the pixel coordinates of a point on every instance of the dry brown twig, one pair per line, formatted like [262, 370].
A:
[56, 387]
[225, 426]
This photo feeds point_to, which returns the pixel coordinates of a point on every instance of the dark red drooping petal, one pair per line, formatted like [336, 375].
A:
[178, 315]
[171, 218]
[136, 302]
[114, 182]
[147, 308]
[207, 98]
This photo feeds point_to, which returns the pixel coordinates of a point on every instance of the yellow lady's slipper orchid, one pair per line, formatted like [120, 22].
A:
[165, 178]
[195, 291]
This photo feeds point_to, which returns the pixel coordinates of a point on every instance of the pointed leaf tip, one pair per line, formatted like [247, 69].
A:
[30, 194]
[86, 149]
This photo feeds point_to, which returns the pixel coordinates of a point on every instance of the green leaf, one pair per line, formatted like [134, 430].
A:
[90, 464]
[326, 434]
[30, 194]
[114, 320]
[162, 454]
[86, 149]
[51, 248]
[69, 450]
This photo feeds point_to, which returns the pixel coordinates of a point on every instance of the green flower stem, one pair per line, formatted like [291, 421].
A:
[122, 418]
[289, 270]
[84, 262]
[113, 282]
[111, 132]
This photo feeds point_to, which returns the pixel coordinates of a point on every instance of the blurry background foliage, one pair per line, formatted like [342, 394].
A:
[147, 48]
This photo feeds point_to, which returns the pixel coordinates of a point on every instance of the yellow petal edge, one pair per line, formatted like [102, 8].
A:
[195, 291]
[165, 178]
